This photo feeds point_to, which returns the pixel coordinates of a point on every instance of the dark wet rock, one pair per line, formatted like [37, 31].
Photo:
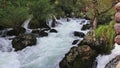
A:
[78, 57]
[87, 18]
[53, 31]
[43, 25]
[16, 31]
[86, 26]
[113, 63]
[117, 39]
[75, 42]
[23, 40]
[83, 21]
[79, 34]
[68, 19]
[43, 34]
[35, 31]
[53, 23]
[45, 29]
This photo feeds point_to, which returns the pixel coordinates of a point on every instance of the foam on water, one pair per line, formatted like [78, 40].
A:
[48, 51]
[104, 59]
[8, 58]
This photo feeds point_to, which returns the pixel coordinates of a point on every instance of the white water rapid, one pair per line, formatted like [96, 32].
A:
[48, 51]
[104, 59]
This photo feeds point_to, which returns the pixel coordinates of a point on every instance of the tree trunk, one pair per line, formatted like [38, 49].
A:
[95, 23]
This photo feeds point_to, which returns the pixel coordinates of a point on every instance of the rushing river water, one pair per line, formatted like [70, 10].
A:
[48, 51]
[104, 59]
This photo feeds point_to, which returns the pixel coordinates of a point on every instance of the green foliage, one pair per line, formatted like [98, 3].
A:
[71, 7]
[13, 13]
[106, 33]
[106, 17]
[41, 10]
[12, 16]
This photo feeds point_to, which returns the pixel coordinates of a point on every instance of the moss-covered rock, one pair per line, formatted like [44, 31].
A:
[100, 45]
[78, 57]
[23, 40]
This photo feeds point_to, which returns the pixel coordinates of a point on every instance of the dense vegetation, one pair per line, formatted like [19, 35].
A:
[107, 34]
[14, 12]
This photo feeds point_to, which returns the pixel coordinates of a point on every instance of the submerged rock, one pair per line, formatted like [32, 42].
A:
[16, 31]
[78, 57]
[53, 31]
[23, 40]
[79, 34]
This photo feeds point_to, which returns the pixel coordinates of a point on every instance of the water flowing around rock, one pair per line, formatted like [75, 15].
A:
[48, 51]
[102, 60]
[25, 25]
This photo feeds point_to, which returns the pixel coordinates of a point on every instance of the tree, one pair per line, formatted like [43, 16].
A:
[100, 7]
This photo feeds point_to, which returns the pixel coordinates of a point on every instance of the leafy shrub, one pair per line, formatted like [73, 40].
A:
[41, 10]
[107, 33]
[13, 17]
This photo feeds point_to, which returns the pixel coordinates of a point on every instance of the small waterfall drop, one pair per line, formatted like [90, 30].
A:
[102, 60]
[48, 51]
[25, 25]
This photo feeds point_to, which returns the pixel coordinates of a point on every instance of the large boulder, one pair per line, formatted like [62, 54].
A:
[117, 6]
[16, 31]
[79, 34]
[117, 39]
[117, 28]
[78, 57]
[117, 17]
[23, 40]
